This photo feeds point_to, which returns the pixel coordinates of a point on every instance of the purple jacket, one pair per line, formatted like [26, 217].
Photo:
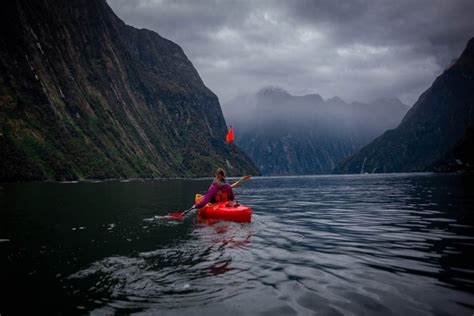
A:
[213, 190]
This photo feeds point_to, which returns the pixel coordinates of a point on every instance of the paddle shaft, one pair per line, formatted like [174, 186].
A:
[187, 211]
[244, 178]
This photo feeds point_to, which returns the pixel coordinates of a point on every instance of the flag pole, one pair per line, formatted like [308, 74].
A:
[233, 153]
[233, 149]
[229, 140]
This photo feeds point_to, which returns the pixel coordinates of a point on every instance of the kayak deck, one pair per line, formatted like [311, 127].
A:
[228, 211]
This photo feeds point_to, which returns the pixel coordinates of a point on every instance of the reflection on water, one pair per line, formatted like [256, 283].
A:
[183, 273]
[378, 244]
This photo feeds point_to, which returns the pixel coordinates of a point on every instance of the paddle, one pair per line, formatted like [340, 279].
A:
[244, 178]
[181, 214]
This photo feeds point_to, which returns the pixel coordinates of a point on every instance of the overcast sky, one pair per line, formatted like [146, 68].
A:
[358, 50]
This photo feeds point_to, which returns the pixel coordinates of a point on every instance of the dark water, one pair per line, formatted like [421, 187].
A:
[354, 245]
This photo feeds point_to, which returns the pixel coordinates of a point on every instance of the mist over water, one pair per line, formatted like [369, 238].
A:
[273, 110]
[379, 244]
[297, 135]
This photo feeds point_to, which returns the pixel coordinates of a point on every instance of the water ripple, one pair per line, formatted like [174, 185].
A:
[393, 244]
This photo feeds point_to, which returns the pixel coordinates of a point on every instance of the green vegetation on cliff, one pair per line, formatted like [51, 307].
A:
[82, 95]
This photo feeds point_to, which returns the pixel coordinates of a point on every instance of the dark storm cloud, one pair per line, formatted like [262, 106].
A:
[430, 27]
[358, 50]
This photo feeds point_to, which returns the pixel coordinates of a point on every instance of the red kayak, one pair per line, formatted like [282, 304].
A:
[227, 211]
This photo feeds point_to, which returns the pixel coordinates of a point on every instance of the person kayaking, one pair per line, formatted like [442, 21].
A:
[219, 191]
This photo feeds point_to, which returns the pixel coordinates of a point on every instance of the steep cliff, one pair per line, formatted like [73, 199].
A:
[430, 130]
[83, 95]
[460, 158]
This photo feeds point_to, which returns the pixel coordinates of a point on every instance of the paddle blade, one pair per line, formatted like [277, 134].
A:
[176, 214]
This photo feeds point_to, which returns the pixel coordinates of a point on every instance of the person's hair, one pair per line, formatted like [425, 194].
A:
[220, 175]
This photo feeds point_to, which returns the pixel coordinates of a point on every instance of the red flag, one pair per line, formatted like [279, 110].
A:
[230, 136]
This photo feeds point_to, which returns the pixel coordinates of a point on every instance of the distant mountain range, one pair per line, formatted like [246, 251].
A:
[436, 131]
[83, 95]
[286, 134]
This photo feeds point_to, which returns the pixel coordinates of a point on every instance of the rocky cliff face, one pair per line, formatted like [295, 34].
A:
[82, 95]
[287, 135]
[460, 158]
[430, 130]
